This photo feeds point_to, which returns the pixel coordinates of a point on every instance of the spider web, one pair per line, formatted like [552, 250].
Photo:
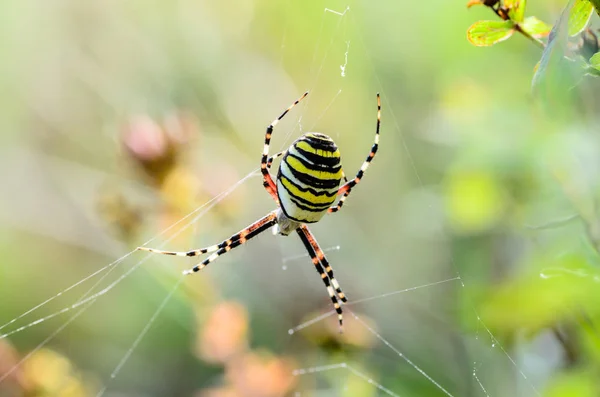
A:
[340, 39]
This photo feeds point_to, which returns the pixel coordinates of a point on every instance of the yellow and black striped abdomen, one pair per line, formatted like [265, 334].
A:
[309, 177]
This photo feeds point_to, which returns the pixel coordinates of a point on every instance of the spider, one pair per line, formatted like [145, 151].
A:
[307, 184]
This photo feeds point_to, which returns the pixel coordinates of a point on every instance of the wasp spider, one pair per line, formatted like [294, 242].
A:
[307, 184]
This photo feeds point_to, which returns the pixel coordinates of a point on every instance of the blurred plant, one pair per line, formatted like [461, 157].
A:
[555, 289]
[582, 51]
[15, 380]
[120, 214]
[260, 374]
[225, 333]
[45, 373]
[157, 149]
[512, 13]
[571, 40]
[326, 334]
[579, 18]
[561, 298]
[158, 152]
[49, 373]
[223, 339]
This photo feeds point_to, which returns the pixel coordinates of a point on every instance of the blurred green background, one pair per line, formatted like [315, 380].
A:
[119, 118]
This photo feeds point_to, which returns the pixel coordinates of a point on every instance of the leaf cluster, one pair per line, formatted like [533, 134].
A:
[512, 15]
[558, 291]
[569, 39]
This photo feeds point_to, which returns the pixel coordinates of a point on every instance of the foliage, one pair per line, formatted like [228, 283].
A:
[554, 290]
[512, 12]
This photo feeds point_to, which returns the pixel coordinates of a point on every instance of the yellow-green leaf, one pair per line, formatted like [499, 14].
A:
[595, 61]
[543, 298]
[572, 384]
[487, 33]
[580, 16]
[535, 27]
[516, 9]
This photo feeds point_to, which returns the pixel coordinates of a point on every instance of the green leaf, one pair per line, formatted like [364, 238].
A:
[545, 296]
[595, 61]
[487, 33]
[574, 383]
[535, 27]
[590, 71]
[516, 9]
[580, 16]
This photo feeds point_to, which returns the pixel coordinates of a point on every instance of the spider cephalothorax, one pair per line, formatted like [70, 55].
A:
[308, 183]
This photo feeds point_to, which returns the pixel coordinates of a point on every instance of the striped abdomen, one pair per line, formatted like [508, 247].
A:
[309, 177]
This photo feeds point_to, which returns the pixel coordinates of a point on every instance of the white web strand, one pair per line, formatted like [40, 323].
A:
[287, 259]
[79, 303]
[514, 363]
[285, 32]
[343, 67]
[457, 278]
[43, 343]
[315, 320]
[65, 290]
[84, 304]
[308, 323]
[480, 384]
[416, 172]
[337, 12]
[326, 109]
[141, 335]
[66, 323]
[200, 211]
[399, 353]
[390, 110]
[476, 366]
[320, 69]
[90, 301]
[324, 368]
[377, 335]
[435, 283]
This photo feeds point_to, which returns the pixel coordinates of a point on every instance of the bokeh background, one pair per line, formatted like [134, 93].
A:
[120, 118]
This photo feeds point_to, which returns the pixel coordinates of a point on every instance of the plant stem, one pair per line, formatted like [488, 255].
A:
[535, 40]
[504, 16]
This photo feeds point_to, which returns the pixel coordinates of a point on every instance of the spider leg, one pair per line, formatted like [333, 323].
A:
[340, 203]
[267, 180]
[238, 239]
[347, 187]
[325, 263]
[319, 260]
[274, 157]
[342, 199]
[195, 252]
